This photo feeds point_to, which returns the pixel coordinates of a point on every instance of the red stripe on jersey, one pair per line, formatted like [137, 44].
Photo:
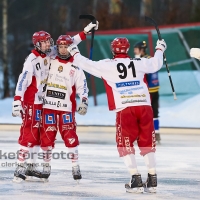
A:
[110, 96]
[29, 95]
[36, 53]
[73, 98]
[82, 35]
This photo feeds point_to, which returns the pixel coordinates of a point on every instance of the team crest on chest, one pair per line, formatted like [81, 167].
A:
[45, 62]
[60, 69]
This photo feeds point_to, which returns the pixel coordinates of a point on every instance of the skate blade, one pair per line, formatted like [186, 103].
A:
[17, 180]
[134, 190]
[44, 180]
[29, 178]
[150, 190]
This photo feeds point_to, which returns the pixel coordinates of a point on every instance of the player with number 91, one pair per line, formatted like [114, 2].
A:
[128, 96]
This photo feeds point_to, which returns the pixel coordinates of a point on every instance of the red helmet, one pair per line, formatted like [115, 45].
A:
[64, 39]
[120, 45]
[41, 36]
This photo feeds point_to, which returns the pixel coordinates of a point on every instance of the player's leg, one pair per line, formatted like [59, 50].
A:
[29, 137]
[32, 161]
[126, 133]
[48, 133]
[155, 107]
[147, 143]
[67, 127]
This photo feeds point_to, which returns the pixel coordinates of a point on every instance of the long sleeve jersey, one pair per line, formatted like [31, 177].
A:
[123, 78]
[34, 74]
[64, 82]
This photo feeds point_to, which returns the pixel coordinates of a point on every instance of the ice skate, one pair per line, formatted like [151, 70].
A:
[76, 173]
[135, 184]
[31, 171]
[46, 172]
[151, 184]
[20, 173]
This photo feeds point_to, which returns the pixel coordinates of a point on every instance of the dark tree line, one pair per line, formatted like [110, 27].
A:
[59, 16]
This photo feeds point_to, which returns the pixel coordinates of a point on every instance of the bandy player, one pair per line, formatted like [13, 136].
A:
[128, 96]
[65, 80]
[28, 100]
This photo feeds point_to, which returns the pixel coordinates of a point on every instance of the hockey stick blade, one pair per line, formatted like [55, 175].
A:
[151, 21]
[88, 16]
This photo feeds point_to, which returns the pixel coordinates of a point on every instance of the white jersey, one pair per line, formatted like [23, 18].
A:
[64, 82]
[33, 78]
[123, 78]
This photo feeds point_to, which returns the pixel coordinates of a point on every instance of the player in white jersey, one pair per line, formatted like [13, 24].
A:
[65, 80]
[128, 96]
[28, 102]
[28, 99]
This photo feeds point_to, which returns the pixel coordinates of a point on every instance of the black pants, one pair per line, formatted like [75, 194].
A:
[155, 103]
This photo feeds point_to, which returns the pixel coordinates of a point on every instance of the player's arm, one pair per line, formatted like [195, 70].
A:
[155, 63]
[24, 80]
[82, 35]
[82, 91]
[92, 67]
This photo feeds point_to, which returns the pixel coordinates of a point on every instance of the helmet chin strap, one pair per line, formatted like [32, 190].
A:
[64, 57]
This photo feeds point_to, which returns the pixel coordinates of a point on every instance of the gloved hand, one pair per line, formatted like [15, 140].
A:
[161, 44]
[195, 53]
[17, 108]
[82, 108]
[73, 49]
[89, 27]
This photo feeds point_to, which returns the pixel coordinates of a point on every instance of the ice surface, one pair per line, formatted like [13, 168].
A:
[104, 173]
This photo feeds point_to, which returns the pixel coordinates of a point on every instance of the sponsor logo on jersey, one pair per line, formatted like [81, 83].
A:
[133, 96]
[134, 101]
[22, 80]
[50, 119]
[45, 62]
[51, 128]
[129, 83]
[71, 140]
[84, 87]
[50, 102]
[55, 94]
[67, 118]
[129, 91]
[60, 69]
[59, 104]
[54, 85]
[75, 67]
[37, 115]
[43, 81]
[71, 73]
